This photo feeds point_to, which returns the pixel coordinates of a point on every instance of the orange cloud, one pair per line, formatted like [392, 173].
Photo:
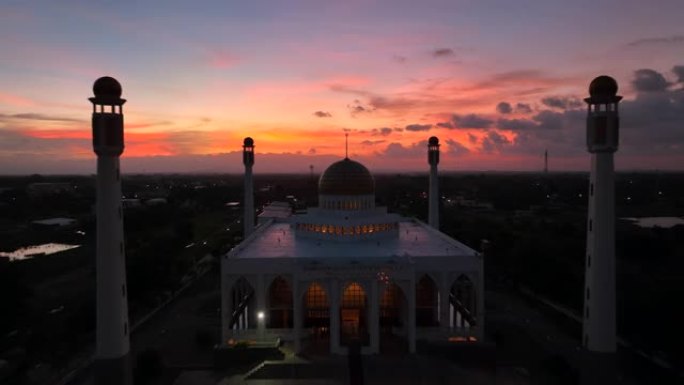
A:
[58, 134]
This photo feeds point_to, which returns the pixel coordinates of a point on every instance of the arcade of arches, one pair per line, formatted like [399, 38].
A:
[374, 312]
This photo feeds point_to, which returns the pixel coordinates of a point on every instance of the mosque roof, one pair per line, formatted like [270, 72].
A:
[415, 240]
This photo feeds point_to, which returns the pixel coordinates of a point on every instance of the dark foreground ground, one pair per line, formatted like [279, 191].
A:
[531, 348]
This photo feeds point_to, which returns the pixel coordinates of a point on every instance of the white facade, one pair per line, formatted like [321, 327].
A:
[355, 272]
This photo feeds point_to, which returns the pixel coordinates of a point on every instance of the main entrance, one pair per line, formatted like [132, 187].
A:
[354, 316]
[351, 322]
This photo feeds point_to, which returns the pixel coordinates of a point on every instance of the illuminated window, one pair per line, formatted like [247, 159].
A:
[316, 305]
[354, 296]
[315, 297]
[390, 304]
[390, 296]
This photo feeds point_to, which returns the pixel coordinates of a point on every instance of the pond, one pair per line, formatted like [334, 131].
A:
[31, 251]
[664, 222]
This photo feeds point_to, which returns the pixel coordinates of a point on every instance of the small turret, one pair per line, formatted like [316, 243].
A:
[603, 124]
[433, 203]
[248, 152]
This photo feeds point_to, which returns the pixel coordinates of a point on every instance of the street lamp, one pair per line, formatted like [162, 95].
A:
[260, 325]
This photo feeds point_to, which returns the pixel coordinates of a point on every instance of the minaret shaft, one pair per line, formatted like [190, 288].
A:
[249, 201]
[433, 214]
[112, 307]
[433, 194]
[599, 311]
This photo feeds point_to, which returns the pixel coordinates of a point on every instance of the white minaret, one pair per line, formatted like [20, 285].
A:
[546, 161]
[433, 159]
[248, 160]
[112, 361]
[599, 334]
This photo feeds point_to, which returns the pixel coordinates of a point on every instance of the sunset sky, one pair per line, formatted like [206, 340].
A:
[497, 81]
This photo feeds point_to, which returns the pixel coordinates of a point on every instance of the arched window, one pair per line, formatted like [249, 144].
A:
[354, 296]
[463, 302]
[242, 301]
[427, 310]
[280, 304]
[390, 306]
[316, 311]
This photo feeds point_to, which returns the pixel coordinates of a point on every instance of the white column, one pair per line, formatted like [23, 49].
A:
[433, 213]
[112, 306]
[248, 220]
[334, 316]
[297, 316]
[599, 311]
[374, 322]
[412, 315]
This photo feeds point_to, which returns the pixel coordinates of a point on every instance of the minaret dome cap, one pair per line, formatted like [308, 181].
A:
[433, 141]
[603, 87]
[249, 142]
[107, 88]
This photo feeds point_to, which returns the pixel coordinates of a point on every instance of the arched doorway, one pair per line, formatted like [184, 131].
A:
[354, 315]
[243, 302]
[279, 304]
[317, 317]
[462, 303]
[427, 303]
[391, 307]
[393, 319]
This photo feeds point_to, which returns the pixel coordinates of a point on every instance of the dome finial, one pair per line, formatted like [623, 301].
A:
[346, 145]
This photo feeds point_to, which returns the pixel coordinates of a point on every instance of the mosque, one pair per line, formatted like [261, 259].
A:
[350, 272]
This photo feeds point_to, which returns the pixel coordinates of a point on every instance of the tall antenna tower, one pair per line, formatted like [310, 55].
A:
[546, 161]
